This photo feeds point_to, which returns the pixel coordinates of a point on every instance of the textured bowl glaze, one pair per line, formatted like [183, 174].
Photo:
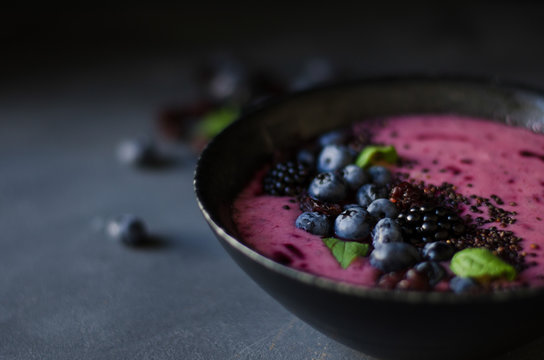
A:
[382, 323]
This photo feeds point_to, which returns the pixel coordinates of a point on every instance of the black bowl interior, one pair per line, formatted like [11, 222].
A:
[386, 324]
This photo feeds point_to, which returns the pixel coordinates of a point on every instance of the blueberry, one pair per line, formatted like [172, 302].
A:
[129, 229]
[327, 187]
[438, 251]
[368, 193]
[139, 152]
[463, 285]
[307, 157]
[381, 208]
[335, 137]
[314, 223]
[394, 256]
[333, 157]
[386, 231]
[380, 175]
[316, 71]
[351, 206]
[352, 224]
[433, 270]
[228, 80]
[354, 176]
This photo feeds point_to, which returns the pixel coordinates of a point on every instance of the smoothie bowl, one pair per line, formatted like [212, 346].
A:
[412, 227]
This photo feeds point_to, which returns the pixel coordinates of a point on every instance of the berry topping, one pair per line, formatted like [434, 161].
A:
[350, 206]
[405, 195]
[414, 280]
[408, 228]
[438, 251]
[335, 137]
[328, 187]
[423, 224]
[289, 178]
[382, 208]
[380, 175]
[368, 193]
[308, 203]
[306, 157]
[333, 157]
[354, 176]
[386, 230]
[461, 285]
[352, 224]
[433, 270]
[314, 223]
[394, 256]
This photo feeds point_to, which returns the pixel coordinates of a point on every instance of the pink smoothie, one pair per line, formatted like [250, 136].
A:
[479, 157]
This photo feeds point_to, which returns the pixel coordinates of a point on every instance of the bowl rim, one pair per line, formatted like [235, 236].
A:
[327, 284]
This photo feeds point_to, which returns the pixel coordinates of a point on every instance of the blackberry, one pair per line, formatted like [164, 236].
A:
[288, 178]
[430, 223]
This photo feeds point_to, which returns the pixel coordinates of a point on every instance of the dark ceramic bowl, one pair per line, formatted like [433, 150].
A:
[382, 323]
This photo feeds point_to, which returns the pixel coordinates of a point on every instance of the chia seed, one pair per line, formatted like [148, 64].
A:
[503, 243]
[497, 199]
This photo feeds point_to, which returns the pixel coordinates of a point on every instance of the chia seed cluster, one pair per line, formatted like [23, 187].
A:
[468, 231]
[411, 227]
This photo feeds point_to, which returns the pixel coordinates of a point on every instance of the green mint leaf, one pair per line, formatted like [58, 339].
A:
[480, 263]
[373, 154]
[215, 121]
[345, 251]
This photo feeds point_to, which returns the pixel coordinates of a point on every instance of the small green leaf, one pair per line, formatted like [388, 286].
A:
[215, 121]
[345, 251]
[480, 263]
[372, 154]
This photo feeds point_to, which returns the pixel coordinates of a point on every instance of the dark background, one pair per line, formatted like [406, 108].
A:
[493, 38]
[74, 82]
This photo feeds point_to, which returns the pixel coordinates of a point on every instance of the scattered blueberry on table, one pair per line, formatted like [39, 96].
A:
[128, 229]
[230, 87]
[137, 152]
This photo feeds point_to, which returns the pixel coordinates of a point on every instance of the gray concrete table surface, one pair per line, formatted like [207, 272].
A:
[68, 292]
